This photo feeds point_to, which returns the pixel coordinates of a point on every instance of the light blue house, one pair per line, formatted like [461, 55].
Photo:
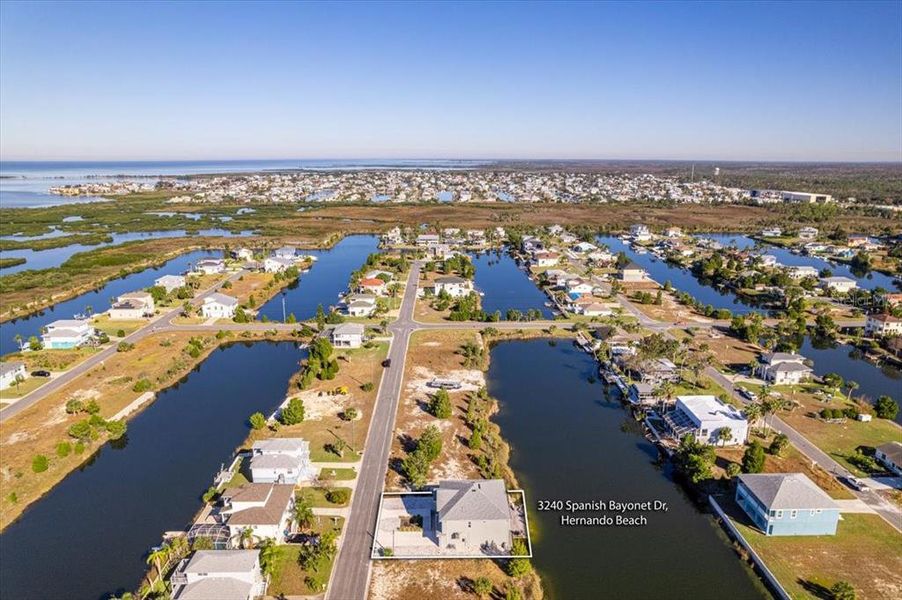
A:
[786, 504]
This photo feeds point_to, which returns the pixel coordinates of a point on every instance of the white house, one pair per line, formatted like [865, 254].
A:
[545, 259]
[601, 256]
[277, 264]
[219, 306]
[265, 508]
[841, 285]
[360, 305]
[708, 419]
[428, 239]
[281, 460]
[66, 333]
[882, 325]
[772, 232]
[583, 247]
[289, 252]
[472, 515]
[210, 266]
[220, 574]
[673, 232]
[801, 272]
[768, 260]
[243, 254]
[579, 286]
[783, 368]
[348, 335]
[453, 285]
[170, 282]
[132, 306]
[633, 272]
[808, 233]
[890, 455]
[9, 371]
[640, 233]
[596, 309]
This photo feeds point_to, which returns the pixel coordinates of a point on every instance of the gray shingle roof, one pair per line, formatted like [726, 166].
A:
[216, 588]
[893, 451]
[222, 561]
[784, 491]
[476, 500]
[281, 445]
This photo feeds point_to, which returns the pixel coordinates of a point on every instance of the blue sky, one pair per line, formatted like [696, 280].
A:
[731, 81]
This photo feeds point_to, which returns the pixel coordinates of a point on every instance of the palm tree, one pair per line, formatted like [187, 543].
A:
[19, 340]
[158, 557]
[245, 537]
[753, 412]
[268, 553]
[724, 434]
[665, 391]
[303, 513]
[853, 385]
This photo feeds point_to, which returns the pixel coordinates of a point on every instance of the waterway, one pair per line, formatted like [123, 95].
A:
[324, 282]
[88, 538]
[873, 381]
[569, 441]
[681, 279]
[99, 300]
[505, 285]
[54, 257]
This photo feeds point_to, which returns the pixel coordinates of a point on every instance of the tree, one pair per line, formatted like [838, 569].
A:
[853, 385]
[694, 459]
[320, 317]
[268, 554]
[303, 513]
[518, 567]
[293, 413]
[40, 463]
[733, 470]
[753, 459]
[834, 380]
[158, 557]
[257, 420]
[842, 590]
[724, 435]
[430, 443]
[483, 587]
[440, 404]
[779, 444]
[886, 408]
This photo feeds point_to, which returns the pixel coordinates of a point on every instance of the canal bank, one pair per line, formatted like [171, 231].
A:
[100, 520]
[571, 442]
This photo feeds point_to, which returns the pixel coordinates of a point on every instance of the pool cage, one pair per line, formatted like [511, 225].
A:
[217, 534]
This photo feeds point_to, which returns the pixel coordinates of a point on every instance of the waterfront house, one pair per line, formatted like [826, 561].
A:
[210, 266]
[442, 252]
[882, 325]
[277, 264]
[801, 272]
[372, 285]
[427, 240]
[132, 306]
[472, 514]
[642, 394]
[640, 233]
[476, 236]
[583, 247]
[287, 252]
[708, 419]
[66, 333]
[243, 254]
[808, 233]
[673, 232]
[219, 574]
[578, 287]
[545, 259]
[9, 371]
[265, 508]
[170, 282]
[601, 257]
[596, 309]
[857, 240]
[658, 370]
[379, 274]
[348, 335]
[393, 237]
[633, 273]
[890, 456]
[219, 306]
[281, 460]
[771, 232]
[783, 368]
[768, 260]
[840, 285]
[360, 305]
[786, 504]
[453, 285]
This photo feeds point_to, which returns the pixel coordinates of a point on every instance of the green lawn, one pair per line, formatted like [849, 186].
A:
[317, 496]
[342, 474]
[866, 551]
[112, 328]
[17, 391]
[289, 578]
[322, 455]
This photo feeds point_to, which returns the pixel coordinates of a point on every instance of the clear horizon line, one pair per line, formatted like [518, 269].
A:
[467, 159]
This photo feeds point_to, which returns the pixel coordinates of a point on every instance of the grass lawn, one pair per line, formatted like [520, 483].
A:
[17, 391]
[866, 551]
[342, 474]
[317, 496]
[112, 328]
[289, 578]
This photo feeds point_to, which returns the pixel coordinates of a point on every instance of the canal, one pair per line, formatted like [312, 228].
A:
[99, 300]
[504, 285]
[681, 279]
[324, 282]
[873, 381]
[569, 441]
[89, 536]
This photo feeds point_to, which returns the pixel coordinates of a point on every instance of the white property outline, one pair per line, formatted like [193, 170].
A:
[374, 555]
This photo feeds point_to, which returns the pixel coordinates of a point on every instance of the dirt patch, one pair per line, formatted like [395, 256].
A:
[447, 579]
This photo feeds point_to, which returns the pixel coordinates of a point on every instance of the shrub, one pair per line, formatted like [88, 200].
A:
[340, 496]
[40, 463]
[142, 385]
[78, 448]
[82, 431]
[293, 413]
[120, 333]
[483, 586]
[440, 405]
[74, 406]
[92, 408]
[733, 470]
[63, 449]
[753, 459]
[779, 444]
[886, 408]
[842, 590]
[518, 567]
[368, 386]
[124, 347]
[116, 429]
[257, 421]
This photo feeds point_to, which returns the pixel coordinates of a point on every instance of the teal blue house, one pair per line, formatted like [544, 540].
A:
[786, 504]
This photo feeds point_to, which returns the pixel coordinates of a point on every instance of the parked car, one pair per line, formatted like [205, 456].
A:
[386, 363]
[40, 373]
[747, 394]
[856, 484]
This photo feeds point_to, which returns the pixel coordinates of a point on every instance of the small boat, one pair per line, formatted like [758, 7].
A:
[80, 317]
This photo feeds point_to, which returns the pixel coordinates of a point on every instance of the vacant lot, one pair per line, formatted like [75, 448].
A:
[446, 579]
